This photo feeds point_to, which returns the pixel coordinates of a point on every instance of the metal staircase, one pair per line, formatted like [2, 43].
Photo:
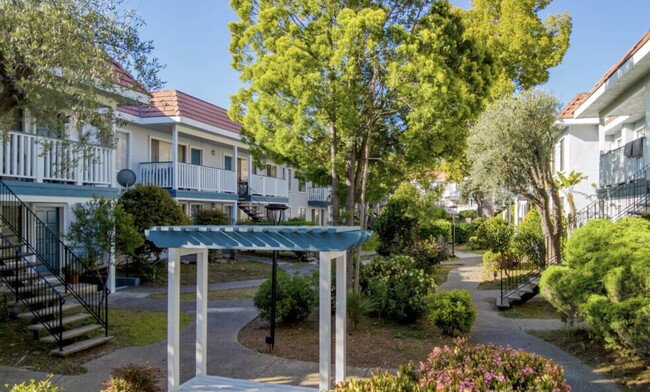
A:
[253, 208]
[519, 286]
[41, 272]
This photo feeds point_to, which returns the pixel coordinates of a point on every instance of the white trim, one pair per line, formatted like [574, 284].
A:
[579, 121]
[614, 123]
[341, 318]
[173, 319]
[190, 153]
[201, 354]
[170, 141]
[325, 322]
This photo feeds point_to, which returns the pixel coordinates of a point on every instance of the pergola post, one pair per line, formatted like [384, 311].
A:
[325, 321]
[341, 316]
[201, 312]
[173, 320]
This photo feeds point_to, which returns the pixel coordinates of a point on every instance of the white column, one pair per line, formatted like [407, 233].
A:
[174, 157]
[235, 163]
[201, 312]
[646, 101]
[341, 316]
[250, 169]
[173, 320]
[325, 319]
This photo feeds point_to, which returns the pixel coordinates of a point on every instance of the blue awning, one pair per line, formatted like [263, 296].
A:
[289, 238]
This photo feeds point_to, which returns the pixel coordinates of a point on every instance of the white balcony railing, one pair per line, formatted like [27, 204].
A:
[616, 167]
[268, 186]
[194, 177]
[319, 194]
[38, 158]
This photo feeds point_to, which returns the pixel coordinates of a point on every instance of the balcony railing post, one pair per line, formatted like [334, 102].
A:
[39, 162]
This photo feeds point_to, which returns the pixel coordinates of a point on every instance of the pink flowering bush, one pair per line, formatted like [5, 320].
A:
[469, 368]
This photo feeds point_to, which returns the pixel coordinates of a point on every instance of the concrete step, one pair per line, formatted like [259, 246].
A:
[12, 266]
[526, 289]
[66, 320]
[79, 288]
[26, 277]
[51, 310]
[53, 281]
[514, 297]
[503, 305]
[18, 256]
[73, 333]
[80, 346]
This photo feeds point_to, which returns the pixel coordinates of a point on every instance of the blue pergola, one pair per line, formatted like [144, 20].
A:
[331, 242]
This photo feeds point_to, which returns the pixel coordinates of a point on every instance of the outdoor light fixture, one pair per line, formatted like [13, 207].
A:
[275, 215]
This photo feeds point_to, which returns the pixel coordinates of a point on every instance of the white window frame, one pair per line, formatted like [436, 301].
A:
[232, 161]
[189, 152]
[160, 139]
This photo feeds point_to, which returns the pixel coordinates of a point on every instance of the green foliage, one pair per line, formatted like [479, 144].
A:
[296, 297]
[404, 381]
[427, 253]
[358, 305]
[99, 225]
[35, 386]
[452, 311]
[398, 287]
[464, 231]
[149, 206]
[468, 214]
[606, 282]
[494, 234]
[437, 228]
[55, 60]
[133, 378]
[298, 222]
[529, 240]
[211, 217]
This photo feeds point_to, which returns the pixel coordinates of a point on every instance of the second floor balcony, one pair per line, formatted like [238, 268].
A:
[268, 186]
[617, 165]
[26, 156]
[188, 176]
[322, 194]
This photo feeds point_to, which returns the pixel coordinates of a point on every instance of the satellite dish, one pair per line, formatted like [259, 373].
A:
[126, 178]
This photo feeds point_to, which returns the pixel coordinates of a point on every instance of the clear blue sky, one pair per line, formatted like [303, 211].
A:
[192, 38]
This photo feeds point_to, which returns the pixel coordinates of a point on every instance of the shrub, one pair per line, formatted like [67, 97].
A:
[406, 380]
[529, 240]
[298, 222]
[427, 253]
[358, 304]
[463, 232]
[489, 368]
[33, 386]
[394, 229]
[468, 214]
[493, 262]
[494, 234]
[133, 378]
[606, 281]
[211, 217]
[435, 229]
[398, 287]
[296, 297]
[452, 311]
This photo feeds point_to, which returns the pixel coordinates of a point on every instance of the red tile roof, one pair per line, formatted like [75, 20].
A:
[620, 63]
[125, 79]
[570, 108]
[173, 103]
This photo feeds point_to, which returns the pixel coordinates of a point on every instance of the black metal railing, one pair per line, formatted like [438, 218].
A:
[514, 276]
[250, 206]
[54, 255]
[618, 201]
[31, 288]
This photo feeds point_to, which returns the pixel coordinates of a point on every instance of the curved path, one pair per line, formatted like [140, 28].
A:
[490, 327]
[230, 359]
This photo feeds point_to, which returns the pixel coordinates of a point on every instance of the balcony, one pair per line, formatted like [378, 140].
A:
[40, 159]
[319, 194]
[192, 177]
[268, 186]
[616, 166]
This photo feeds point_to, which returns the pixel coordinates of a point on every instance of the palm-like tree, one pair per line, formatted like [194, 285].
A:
[566, 184]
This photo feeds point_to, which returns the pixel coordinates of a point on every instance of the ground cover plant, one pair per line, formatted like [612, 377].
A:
[605, 280]
[465, 367]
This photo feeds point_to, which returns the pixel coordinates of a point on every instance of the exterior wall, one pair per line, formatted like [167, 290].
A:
[582, 155]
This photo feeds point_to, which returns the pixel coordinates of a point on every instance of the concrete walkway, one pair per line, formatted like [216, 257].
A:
[490, 327]
[229, 359]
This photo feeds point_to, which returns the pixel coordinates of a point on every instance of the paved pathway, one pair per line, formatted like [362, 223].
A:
[490, 327]
[230, 359]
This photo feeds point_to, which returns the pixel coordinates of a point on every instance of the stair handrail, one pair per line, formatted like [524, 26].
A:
[510, 283]
[55, 330]
[99, 308]
[599, 208]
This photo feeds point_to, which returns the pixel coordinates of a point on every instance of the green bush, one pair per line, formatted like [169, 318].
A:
[133, 378]
[406, 380]
[394, 229]
[468, 214]
[211, 217]
[606, 281]
[34, 386]
[529, 240]
[452, 311]
[435, 229]
[427, 253]
[298, 222]
[296, 297]
[464, 231]
[358, 304]
[493, 262]
[494, 234]
[398, 287]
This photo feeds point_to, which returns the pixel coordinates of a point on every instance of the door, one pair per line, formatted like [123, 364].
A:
[196, 156]
[45, 246]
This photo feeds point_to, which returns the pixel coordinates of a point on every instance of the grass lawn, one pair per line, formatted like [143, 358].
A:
[221, 272]
[214, 295]
[535, 308]
[441, 272]
[375, 342]
[130, 328]
[631, 372]
[465, 248]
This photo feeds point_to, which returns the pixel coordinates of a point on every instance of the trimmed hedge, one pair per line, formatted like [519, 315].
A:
[296, 297]
[452, 311]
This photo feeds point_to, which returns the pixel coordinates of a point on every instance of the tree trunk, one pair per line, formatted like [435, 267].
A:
[335, 179]
[365, 157]
[350, 182]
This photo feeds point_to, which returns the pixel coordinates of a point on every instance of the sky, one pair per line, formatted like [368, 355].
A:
[191, 38]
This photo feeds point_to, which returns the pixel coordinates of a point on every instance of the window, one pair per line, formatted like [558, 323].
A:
[228, 211]
[315, 216]
[227, 162]
[196, 156]
[194, 210]
[122, 151]
[161, 151]
[302, 213]
[302, 185]
[17, 123]
[271, 171]
[289, 180]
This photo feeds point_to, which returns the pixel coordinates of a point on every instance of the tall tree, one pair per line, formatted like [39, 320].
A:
[58, 61]
[347, 87]
[510, 148]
